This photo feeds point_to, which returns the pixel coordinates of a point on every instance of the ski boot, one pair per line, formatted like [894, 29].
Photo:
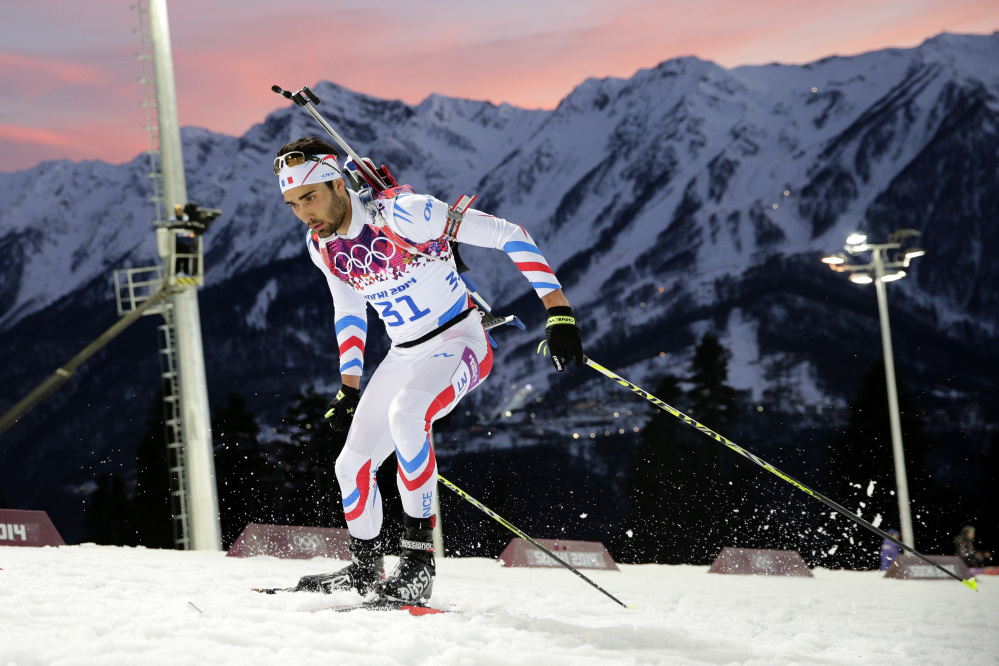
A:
[367, 567]
[412, 580]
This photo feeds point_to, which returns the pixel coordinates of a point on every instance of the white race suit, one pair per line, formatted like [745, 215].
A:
[415, 293]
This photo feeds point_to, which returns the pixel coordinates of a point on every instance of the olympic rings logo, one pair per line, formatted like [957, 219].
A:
[346, 263]
[310, 542]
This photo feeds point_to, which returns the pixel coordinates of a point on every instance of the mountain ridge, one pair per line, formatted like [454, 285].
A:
[686, 199]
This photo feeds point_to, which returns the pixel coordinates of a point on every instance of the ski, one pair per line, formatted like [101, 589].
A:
[384, 606]
[375, 604]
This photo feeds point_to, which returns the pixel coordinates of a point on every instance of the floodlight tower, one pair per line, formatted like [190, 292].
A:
[883, 268]
[179, 243]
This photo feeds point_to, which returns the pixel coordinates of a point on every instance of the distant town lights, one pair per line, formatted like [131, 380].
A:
[861, 278]
[856, 239]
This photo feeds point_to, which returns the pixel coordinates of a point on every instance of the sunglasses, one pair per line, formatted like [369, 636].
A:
[296, 158]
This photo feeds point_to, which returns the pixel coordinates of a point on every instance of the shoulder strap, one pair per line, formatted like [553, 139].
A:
[455, 216]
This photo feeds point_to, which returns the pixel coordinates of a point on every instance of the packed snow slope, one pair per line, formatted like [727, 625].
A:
[114, 606]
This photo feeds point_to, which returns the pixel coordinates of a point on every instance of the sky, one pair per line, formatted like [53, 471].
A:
[70, 77]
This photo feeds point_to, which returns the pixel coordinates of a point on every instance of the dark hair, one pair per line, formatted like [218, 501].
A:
[309, 145]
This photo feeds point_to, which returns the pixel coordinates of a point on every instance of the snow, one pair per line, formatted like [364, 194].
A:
[106, 605]
[744, 369]
[257, 317]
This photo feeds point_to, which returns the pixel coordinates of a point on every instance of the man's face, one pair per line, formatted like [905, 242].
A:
[323, 209]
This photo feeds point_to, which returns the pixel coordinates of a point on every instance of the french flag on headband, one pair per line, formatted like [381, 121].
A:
[285, 182]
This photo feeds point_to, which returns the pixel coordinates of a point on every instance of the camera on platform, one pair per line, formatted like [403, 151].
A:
[181, 246]
[193, 217]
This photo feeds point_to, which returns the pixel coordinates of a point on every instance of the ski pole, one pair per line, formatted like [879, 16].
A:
[505, 523]
[971, 582]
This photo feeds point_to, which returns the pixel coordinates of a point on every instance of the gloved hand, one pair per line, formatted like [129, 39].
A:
[563, 338]
[341, 408]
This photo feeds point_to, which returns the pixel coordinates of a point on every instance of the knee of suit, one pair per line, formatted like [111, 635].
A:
[348, 464]
[407, 421]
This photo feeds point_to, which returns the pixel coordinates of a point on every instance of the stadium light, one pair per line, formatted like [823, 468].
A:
[875, 271]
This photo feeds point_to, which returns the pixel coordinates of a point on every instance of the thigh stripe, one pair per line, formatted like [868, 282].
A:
[440, 403]
[427, 473]
[417, 462]
[360, 494]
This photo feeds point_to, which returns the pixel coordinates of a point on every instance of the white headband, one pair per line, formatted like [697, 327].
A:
[309, 173]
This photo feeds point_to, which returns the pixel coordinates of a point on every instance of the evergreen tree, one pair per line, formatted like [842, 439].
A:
[686, 493]
[650, 533]
[863, 471]
[244, 476]
[150, 502]
[497, 497]
[987, 520]
[721, 487]
[107, 515]
[309, 492]
[711, 399]
[779, 395]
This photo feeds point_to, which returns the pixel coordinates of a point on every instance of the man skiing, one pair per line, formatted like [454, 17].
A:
[396, 255]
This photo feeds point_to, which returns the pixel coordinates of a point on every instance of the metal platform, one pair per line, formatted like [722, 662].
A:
[133, 286]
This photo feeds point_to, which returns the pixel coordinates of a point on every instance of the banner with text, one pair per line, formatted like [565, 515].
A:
[28, 528]
[759, 562]
[579, 554]
[910, 567]
[291, 542]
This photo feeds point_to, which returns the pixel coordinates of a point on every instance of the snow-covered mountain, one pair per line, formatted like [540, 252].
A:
[685, 199]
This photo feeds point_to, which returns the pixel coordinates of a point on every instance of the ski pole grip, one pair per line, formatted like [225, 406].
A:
[311, 95]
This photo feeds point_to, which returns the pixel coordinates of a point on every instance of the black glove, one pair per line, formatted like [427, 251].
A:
[342, 407]
[563, 338]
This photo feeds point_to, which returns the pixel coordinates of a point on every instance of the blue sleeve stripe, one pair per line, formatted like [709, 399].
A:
[545, 285]
[521, 246]
[350, 320]
[348, 366]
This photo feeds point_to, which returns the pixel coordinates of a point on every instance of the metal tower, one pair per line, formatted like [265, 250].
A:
[178, 234]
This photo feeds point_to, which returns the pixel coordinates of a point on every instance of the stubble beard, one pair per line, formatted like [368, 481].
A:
[336, 215]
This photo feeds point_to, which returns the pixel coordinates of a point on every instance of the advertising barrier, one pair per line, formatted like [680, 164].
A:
[580, 554]
[28, 528]
[291, 542]
[758, 562]
[910, 567]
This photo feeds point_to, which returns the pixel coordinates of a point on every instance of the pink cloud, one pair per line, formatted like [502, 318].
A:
[69, 72]
[91, 140]
[39, 137]
[32, 75]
